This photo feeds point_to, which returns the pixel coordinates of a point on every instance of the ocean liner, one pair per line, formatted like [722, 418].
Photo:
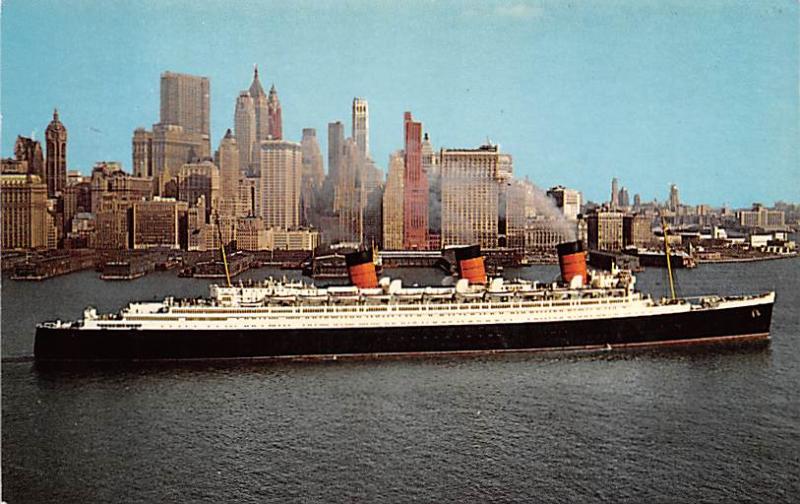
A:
[374, 318]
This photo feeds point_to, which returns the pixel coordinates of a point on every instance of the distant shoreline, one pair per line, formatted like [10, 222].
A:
[744, 259]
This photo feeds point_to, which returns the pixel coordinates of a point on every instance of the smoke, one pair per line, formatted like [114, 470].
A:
[546, 207]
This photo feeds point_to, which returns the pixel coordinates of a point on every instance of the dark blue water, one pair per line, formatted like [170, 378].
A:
[677, 426]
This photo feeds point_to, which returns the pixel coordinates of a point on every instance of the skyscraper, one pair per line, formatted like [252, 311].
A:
[313, 176]
[185, 102]
[142, 150]
[430, 166]
[614, 201]
[415, 189]
[281, 166]
[568, 200]
[624, 198]
[313, 167]
[393, 204]
[674, 200]
[23, 198]
[229, 174]
[181, 136]
[335, 149]
[349, 197]
[244, 124]
[274, 121]
[361, 125]
[56, 165]
[261, 110]
[30, 151]
[471, 181]
[200, 179]
[160, 153]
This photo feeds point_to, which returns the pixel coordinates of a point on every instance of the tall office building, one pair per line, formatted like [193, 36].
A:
[244, 124]
[674, 200]
[335, 149]
[185, 102]
[250, 195]
[361, 125]
[471, 181]
[415, 188]
[142, 149]
[393, 203]
[281, 171]
[111, 193]
[605, 230]
[229, 175]
[156, 223]
[372, 227]
[349, 194]
[56, 164]
[24, 211]
[108, 177]
[313, 168]
[111, 222]
[430, 166]
[637, 230]
[182, 134]
[313, 176]
[567, 200]
[160, 153]
[30, 151]
[274, 120]
[624, 198]
[197, 180]
[614, 201]
[261, 110]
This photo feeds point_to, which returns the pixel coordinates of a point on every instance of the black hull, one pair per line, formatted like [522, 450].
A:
[729, 325]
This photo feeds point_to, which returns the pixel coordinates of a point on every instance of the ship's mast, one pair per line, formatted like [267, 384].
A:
[224, 255]
[669, 262]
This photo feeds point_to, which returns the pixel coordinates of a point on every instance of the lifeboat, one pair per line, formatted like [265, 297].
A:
[375, 295]
[438, 293]
[316, 296]
[409, 294]
[343, 295]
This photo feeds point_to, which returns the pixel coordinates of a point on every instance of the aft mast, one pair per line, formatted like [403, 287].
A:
[669, 263]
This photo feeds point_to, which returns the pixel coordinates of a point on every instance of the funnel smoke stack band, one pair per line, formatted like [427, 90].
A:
[572, 260]
[567, 248]
[361, 269]
[471, 264]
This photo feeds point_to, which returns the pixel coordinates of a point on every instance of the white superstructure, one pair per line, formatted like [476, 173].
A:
[295, 305]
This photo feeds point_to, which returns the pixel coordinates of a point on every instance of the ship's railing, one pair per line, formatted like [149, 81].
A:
[289, 294]
[397, 306]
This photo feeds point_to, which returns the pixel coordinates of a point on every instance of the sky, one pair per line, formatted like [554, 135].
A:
[704, 95]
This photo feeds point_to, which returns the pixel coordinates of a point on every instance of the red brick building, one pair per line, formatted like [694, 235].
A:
[415, 189]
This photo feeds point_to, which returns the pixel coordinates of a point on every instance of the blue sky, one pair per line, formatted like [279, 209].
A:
[701, 94]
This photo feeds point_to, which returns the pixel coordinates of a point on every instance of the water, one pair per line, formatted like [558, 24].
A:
[688, 425]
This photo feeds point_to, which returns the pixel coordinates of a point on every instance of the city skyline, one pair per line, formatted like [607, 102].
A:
[715, 111]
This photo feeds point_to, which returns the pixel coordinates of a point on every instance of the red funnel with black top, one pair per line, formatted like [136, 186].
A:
[572, 260]
[471, 264]
[361, 269]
